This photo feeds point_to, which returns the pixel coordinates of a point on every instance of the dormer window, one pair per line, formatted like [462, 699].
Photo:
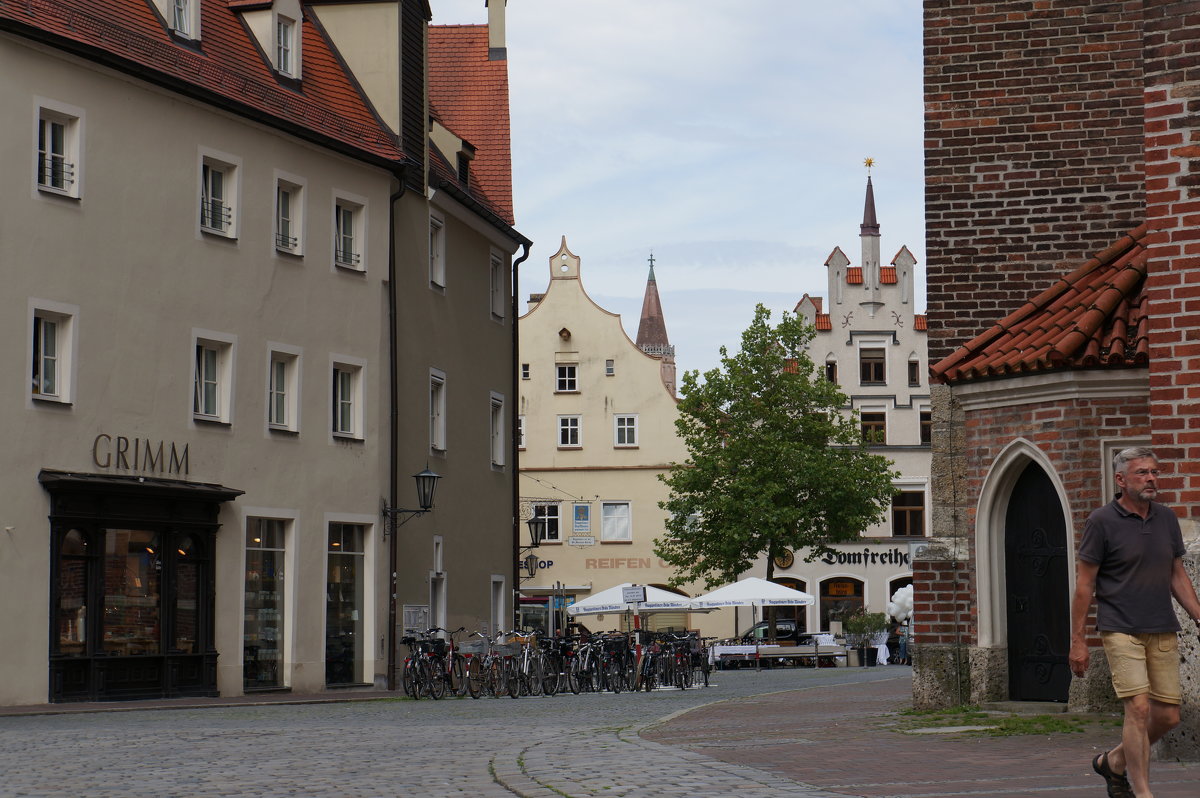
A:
[181, 16]
[464, 169]
[285, 45]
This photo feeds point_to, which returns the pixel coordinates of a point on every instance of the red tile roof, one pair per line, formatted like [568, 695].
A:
[823, 322]
[227, 65]
[921, 322]
[1095, 317]
[854, 275]
[887, 275]
[469, 94]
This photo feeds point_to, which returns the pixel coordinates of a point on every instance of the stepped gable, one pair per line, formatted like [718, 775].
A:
[224, 67]
[468, 93]
[1095, 317]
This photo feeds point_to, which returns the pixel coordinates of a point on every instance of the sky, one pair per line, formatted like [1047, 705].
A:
[726, 138]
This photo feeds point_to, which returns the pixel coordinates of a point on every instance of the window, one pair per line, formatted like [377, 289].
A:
[263, 635]
[56, 153]
[569, 432]
[497, 429]
[345, 605]
[499, 286]
[567, 379]
[625, 430]
[437, 252]
[289, 217]
[284, 44]
[437, 411]
[926, 427]
[831, 371]
[182, 16]
[871, 367]
[520, 432]
[347, 399]
[914, 373]
[874, 426]
[218, 194]
[283, 382]
[552, 514]
[53, 341]
[212, 377]
[347, 235]
[908, 513]
[610, 368]
[524, 371]
[615, 525]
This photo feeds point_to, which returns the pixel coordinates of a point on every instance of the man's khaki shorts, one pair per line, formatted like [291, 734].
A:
[1146, 663]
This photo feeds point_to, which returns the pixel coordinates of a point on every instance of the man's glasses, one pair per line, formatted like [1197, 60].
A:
[1146, 472]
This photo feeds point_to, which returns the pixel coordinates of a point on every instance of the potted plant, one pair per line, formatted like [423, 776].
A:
[860, 628]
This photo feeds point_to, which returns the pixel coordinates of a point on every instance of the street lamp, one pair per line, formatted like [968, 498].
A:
[426, 485]
[527, 557]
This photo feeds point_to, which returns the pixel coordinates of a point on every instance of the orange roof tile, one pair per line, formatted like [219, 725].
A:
[921, 322]
[469, 94]
[227, 66]
[1095, 317]
[854, 275]
[823, 322]
[887, 275]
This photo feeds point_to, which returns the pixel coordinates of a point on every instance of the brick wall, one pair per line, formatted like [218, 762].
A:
[1172, 144]
[1068, 432]
[1033, 128]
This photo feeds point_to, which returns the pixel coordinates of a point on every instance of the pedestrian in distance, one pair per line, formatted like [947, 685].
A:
[1130, 561]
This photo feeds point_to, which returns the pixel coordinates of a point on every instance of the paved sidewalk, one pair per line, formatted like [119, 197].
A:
[840, 739]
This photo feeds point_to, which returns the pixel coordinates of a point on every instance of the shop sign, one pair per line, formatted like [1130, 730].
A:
[583, 518]
[121, 453]
[581, 540]
[870, 555]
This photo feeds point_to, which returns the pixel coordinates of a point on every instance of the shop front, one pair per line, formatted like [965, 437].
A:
[131, 586]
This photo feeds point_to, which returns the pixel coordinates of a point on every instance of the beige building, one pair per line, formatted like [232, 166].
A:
[872, 341]
[236, 272]
[597, 428]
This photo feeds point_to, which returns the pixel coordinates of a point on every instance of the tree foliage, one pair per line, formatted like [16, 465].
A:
[774, 461]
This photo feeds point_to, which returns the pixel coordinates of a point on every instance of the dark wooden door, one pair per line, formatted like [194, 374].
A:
[1035, 546]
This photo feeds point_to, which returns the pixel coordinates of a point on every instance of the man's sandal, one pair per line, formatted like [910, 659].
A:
[1118, 783]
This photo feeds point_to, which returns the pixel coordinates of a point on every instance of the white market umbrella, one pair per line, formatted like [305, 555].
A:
[610, 600]
[753, 592]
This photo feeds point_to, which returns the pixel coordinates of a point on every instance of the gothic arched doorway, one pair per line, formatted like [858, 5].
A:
[1038, 590]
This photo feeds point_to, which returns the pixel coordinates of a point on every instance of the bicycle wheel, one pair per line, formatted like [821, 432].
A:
[456, 676]
[700, 672]
[551, 674]
[474, 680]
[571, 674]
[535, 675]
[683, 674]
[512, 675]
[408, 678]
[437, 676]
[614, 674]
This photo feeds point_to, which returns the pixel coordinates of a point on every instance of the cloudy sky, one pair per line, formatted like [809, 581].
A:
[727, 138]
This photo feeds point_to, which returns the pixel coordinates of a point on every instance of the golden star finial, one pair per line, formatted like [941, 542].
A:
[868, 162]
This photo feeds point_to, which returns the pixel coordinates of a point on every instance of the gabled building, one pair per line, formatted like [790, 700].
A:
[218, 239]
[871, 340]
[597, 428]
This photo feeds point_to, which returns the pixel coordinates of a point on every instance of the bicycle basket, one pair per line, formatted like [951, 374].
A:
[473, 647]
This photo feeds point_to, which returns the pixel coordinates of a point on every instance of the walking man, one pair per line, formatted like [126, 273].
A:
[1130, 560]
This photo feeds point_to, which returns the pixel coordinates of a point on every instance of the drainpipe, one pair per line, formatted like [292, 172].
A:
[512, 422]
[393, 426]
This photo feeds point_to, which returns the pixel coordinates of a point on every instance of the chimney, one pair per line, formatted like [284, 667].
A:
[497, 50]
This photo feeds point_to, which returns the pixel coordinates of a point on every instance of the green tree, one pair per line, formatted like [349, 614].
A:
[774, 461]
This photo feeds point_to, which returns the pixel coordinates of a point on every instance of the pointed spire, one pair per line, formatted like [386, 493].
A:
[652, 330]
[870, 225]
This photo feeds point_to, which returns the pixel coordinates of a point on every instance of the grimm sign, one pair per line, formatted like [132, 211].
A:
[139, 454]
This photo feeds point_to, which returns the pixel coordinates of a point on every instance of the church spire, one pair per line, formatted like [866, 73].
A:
[652, 329]
[870, 225]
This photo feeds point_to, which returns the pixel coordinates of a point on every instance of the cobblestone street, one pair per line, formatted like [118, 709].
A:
[817, 733]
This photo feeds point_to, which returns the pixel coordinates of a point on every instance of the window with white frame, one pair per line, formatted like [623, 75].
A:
[218, 196]
[437, 410]
[347, 398]
[552, 513]
[53, 342]
[289, 217]
[570, 433]
[183, 16]
[437, 251]
[615, 523]
[610, 368]
[58, 149]
[566, 379]
[499, 285]
[348, 218]
[625, 430]
[283, 384]
[285, 45]
[498, 444]
[212, 377]
[520, 432]
[524, 371]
